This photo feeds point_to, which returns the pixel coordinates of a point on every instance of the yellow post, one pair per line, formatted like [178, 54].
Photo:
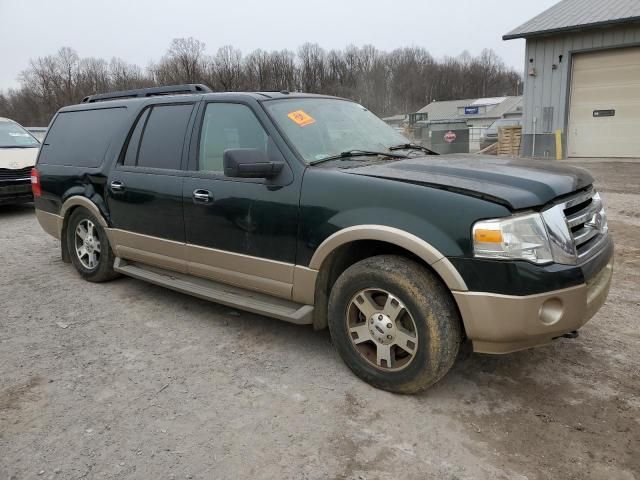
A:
[558, 144]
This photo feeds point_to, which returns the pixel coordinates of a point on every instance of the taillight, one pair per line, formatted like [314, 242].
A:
[36, 188]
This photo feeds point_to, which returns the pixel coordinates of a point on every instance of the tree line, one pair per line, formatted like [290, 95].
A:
[397, 82]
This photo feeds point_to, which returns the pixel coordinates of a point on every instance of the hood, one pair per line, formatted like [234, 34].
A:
[18, 158]
[516, 183]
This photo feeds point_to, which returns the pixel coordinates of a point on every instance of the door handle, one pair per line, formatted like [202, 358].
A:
[202, 196]
[117, 186]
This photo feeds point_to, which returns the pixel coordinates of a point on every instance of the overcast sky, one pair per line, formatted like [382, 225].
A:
[139, 31]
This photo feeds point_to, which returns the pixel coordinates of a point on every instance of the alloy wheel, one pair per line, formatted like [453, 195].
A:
[87, 243]
[382, 329]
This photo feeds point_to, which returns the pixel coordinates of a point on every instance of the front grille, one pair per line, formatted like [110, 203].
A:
[10, 174]
[587, 222]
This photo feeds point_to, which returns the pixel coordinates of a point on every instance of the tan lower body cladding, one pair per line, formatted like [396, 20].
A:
[271, 277]
[50, 223]
[504, 323]
[495, 323]
[282, 280]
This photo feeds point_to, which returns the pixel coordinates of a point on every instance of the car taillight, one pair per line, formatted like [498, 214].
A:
[36, 188]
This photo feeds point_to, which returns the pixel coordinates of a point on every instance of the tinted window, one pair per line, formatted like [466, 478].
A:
[131, 155]
[226, 126]
[163, 136]
[81, 138]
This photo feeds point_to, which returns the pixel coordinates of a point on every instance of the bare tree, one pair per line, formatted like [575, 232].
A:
[123, 75]
[183, 63]
[227, 65]
[312, 67]
[401, 81]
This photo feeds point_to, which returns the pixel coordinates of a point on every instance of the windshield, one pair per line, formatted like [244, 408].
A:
[324, 127]
[13, 135]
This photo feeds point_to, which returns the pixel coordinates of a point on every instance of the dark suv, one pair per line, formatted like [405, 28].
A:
[310, 209]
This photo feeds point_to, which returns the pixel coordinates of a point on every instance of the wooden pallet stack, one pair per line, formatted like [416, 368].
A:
[509, 139]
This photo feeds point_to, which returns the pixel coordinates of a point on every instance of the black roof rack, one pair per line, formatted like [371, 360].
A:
[149, 92]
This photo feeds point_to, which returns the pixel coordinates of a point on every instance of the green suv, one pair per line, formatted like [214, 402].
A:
[310, 209]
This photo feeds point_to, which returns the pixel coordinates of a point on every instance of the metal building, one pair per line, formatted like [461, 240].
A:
[478, 113]
[582, 77]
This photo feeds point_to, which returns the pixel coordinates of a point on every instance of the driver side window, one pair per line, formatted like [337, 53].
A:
[226, 126]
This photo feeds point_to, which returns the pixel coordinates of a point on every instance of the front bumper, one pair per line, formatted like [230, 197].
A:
[15, 191]
[507, 323]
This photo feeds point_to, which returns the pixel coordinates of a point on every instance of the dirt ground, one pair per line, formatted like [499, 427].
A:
[128, 380]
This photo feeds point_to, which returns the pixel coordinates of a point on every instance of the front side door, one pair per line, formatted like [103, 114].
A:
[239, 231]
[145, 188]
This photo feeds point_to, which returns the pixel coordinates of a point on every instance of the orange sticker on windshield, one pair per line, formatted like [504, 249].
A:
[302, 118]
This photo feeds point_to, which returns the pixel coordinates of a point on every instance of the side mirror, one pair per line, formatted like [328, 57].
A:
[249, 163]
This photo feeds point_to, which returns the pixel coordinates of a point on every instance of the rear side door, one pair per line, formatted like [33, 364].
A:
[240, 231]
[145, 187]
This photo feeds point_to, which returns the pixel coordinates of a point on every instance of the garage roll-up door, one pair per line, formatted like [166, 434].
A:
[604, 114]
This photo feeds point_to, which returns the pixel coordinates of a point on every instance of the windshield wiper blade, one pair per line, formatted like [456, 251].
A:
[356, 153]
[413, 146]
[19, 146]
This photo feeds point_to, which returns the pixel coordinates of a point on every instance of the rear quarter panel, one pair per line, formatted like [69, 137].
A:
[60, 182]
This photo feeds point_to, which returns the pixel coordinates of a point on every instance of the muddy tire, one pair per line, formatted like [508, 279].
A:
[394, 323]
[88, 247]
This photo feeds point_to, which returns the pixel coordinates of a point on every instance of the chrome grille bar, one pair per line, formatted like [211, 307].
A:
[591, 248]
[577, 227]
[588, 225]
[584, 235]
[580, 198]
[585, 215]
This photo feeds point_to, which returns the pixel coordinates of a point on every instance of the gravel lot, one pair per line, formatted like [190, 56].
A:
[129, 380]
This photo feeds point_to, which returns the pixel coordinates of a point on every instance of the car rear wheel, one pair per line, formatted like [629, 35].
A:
[394, 323]
[89, 248]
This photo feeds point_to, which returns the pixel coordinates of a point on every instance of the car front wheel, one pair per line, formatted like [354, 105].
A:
[394, 323]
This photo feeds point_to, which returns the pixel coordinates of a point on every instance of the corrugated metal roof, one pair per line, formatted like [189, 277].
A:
[448, 110]
[575, 14]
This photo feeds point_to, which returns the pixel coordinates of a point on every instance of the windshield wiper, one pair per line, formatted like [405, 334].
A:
[413, 146]
[356, 153]
[19, 146]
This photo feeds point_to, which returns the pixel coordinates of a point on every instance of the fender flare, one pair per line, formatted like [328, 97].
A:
[422, 249]
[79, 201]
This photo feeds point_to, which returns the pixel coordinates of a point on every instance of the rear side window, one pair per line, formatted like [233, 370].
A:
[81, 138]
[163, 132]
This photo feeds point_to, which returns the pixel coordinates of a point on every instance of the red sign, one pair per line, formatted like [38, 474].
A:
[450, 137]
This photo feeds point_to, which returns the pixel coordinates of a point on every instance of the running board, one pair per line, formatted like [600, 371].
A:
[217, 292]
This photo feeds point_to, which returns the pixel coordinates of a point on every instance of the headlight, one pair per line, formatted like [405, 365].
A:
[521, 237]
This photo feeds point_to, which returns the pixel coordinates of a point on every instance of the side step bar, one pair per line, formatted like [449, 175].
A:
[228, 295]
